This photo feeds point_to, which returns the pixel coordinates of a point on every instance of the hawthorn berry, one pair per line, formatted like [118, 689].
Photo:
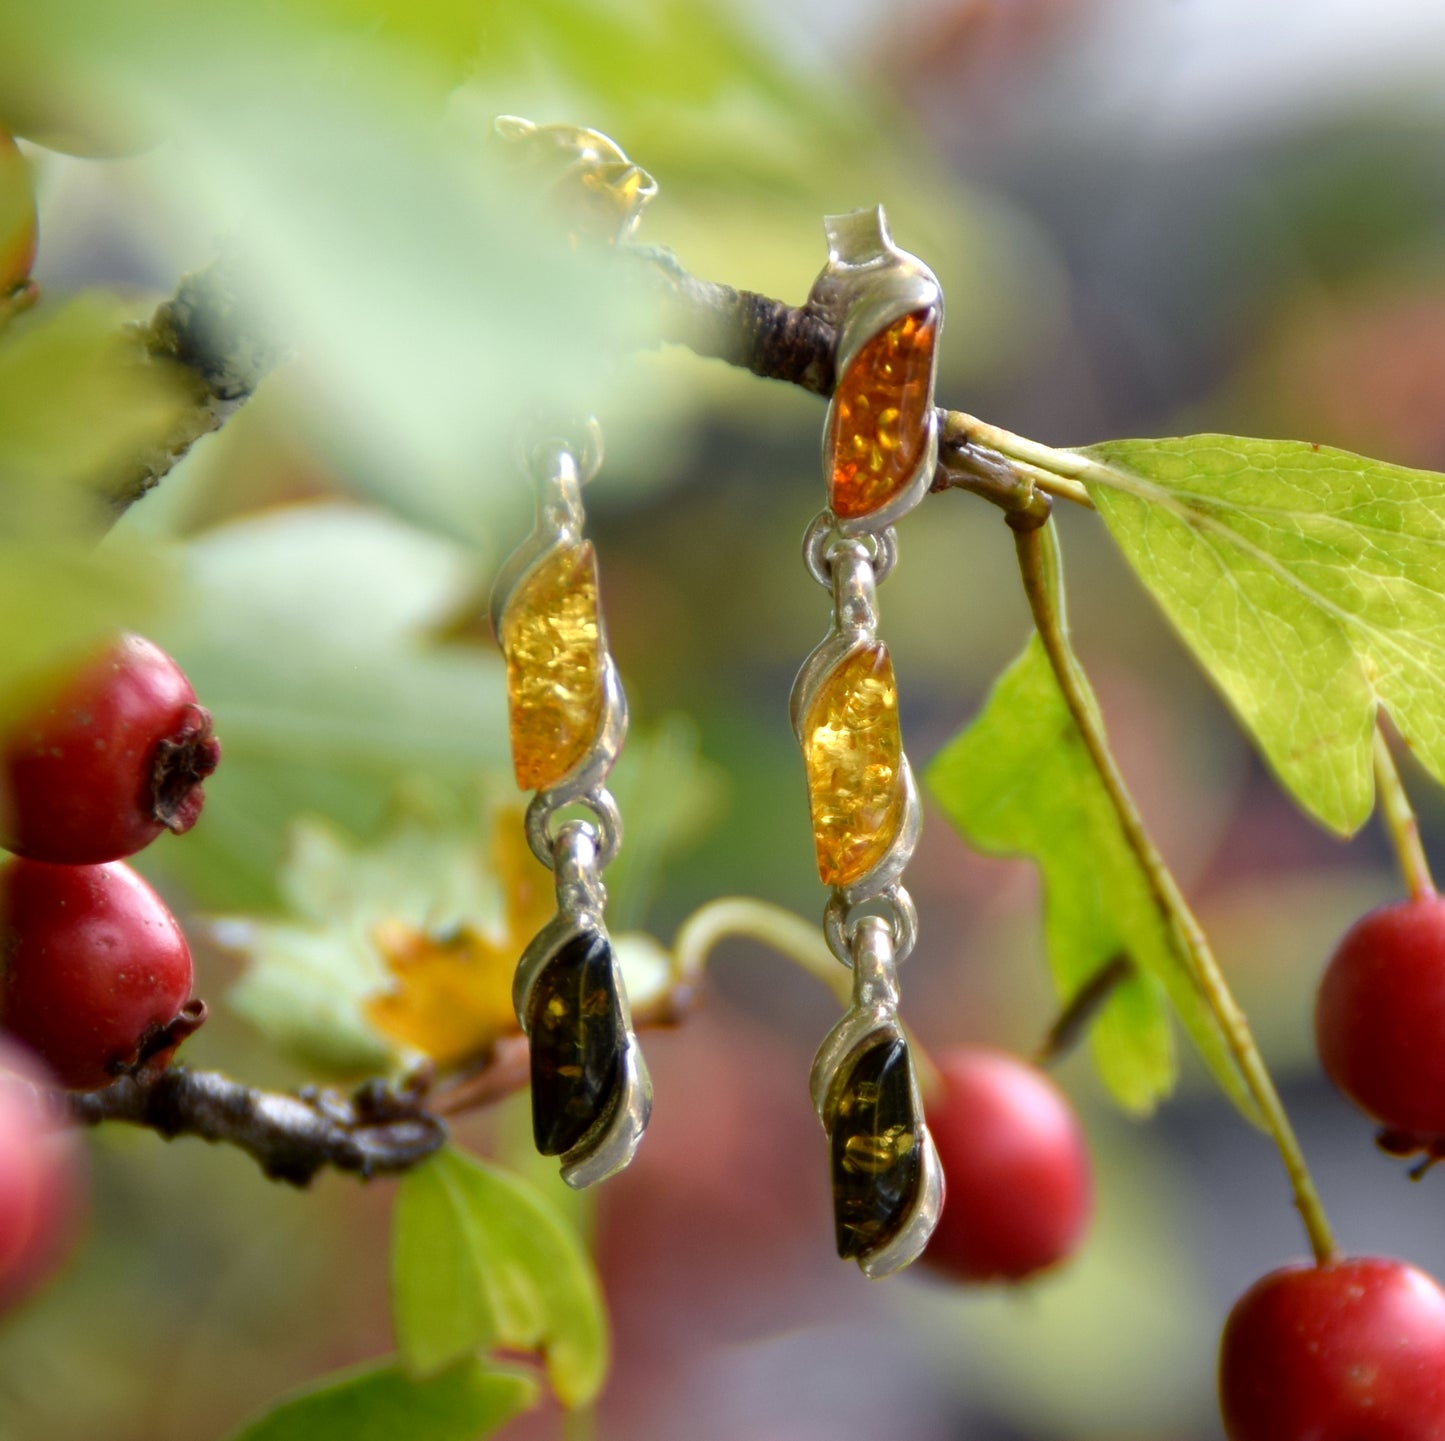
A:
[1380, 1017]
[97, 974]
[18, 232]
[110, 762]
[1018, 1188]
[1352, 1351]
[40, 1178]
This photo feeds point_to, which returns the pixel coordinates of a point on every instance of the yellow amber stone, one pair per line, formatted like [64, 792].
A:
[854, 757]
[880, 417]
[553, 645]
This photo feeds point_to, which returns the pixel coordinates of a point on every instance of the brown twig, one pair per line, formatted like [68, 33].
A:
[377, 1130]
[213, 331]
[771, 339]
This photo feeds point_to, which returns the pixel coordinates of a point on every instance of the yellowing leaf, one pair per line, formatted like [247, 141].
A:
[452, 992]
[452, 995]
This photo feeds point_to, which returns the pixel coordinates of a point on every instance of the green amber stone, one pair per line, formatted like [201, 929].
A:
[577, 1037]
[877, 1151]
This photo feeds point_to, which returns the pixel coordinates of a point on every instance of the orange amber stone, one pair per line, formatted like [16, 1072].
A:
[853, 753]
[880, 417]
[553, 645]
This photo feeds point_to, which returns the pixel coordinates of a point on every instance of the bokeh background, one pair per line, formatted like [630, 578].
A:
[1149, 217]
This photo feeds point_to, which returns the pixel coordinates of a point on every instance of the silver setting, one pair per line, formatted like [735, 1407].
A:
[576, 156]
[867, 285]
[561, 459]
[872, 1017]
[581, 898]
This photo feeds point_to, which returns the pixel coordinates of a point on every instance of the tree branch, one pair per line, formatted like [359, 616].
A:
[375, 1131]
[767, 337]
[379, 1129]
[213, 329]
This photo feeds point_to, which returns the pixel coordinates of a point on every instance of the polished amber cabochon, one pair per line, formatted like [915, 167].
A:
[880, 416]
[552, 640]
[853, 754]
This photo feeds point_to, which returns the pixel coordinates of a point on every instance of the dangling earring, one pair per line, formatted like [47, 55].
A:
[591, 1095]
[880, 446]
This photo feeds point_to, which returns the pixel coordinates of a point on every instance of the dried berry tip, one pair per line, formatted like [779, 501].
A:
[182, 762]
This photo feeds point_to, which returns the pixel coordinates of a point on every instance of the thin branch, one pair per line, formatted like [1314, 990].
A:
[767, 337]
[212, 330]
[379, 1129]
[375, 1131]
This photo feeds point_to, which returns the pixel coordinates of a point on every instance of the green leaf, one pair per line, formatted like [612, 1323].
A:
[1309, 583]
[481, 1260]
[1019, 781]
[380, 1402]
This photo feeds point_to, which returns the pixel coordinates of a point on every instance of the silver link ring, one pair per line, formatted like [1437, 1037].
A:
[840, 925]
[607, 828]
[545, 433]
[822, 532]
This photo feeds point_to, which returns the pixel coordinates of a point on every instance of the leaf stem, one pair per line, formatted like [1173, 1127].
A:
[1058, 472]
[1400, 822]
[1043, 583]
[774, 926]
[787, 933]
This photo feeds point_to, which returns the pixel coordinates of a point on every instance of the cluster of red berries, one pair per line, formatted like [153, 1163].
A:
[95, 975]
[1354, 1350]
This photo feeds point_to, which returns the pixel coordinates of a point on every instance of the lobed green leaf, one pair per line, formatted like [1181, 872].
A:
[381, 1402]
[1310, 585]
[1019, 781]
[481, 1260]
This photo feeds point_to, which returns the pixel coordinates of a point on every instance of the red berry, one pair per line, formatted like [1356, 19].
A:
[114, 759]
[96, 970]
[1018, 1188]
[40, 1178]
[1353, 1351]
[17, 218]
[1380, 1015]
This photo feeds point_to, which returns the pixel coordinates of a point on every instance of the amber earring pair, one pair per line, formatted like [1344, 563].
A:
[590, 1091]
